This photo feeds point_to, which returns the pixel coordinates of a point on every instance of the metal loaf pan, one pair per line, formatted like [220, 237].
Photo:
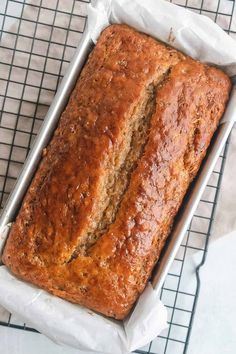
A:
[50, 122]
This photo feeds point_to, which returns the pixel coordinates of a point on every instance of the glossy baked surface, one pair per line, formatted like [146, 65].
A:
[132, 138]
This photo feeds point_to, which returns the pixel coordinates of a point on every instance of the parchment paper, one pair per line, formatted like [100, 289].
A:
[71, 324]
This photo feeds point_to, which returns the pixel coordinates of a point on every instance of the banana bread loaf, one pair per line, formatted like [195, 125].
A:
[103, 200]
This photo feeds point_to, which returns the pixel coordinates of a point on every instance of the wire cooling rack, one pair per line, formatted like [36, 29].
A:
[37, 40]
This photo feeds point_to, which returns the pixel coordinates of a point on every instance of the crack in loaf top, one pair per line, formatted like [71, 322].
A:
[90, 134]
[103, 200]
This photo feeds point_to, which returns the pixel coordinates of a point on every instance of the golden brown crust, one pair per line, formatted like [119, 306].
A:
[99, 209]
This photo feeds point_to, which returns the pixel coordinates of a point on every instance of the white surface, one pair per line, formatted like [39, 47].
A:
[13, 341]
[215, 318]
[214, 329]
[225, 217]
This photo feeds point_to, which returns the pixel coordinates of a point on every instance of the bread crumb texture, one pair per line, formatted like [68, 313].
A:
[129, 143]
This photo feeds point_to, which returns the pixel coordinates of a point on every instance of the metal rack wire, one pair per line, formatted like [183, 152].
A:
[37, 41]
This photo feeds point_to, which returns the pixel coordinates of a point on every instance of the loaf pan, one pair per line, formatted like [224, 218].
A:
[50, 122]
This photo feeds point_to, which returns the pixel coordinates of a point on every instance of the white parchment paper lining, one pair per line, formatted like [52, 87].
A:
[71, 324]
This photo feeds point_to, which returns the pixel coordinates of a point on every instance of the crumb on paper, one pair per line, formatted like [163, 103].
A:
[171, 37]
